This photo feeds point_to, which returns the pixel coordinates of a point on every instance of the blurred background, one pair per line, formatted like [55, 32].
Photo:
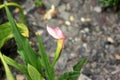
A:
[92, 29]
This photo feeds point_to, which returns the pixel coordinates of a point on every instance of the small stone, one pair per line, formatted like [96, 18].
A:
[88, 19]
[82, 31]
[60, 22]
[82, 19]
[109, 39]
[20, 77]
[83, 77]
[85, 19]
[84, 45]
[71, 18]
[25, 12]
[94, 65]
[97, 9]
[73, 55]
[86, 30]
[117, 56]
[116, 71]
[67, 23]
[16, 10]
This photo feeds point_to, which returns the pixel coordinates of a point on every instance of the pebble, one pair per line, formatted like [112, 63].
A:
[86, 30]
[85, 45]
[83, 77]
[16, 10]
[67, 23]
[20, 77]
[71, 18]
[97, 9]
[116, 71]
[109, 39]
[60, 22]
[73, 55]
[94, 64]
[82, 19]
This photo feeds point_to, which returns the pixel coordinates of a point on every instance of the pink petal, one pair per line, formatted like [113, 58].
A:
[55, 32]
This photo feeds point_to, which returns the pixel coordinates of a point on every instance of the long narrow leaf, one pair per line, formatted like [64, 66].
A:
[17, 35]
[15, 64]
[6, 32]
[34, 74]
[80, 64]
[70, 75]
[23, 46]
[7, 70]
[49, 70]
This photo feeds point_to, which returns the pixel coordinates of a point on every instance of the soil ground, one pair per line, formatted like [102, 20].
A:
[90, 32]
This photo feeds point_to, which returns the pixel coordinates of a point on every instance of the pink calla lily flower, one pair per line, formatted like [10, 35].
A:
[57, 34]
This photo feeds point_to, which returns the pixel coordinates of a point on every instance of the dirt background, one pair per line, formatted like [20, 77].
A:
[90, 32]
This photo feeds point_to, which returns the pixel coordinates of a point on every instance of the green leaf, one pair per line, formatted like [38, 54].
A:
[24, 49]
[7, 70]
[34, 74]
[80, 64]
[44, 58]
[20, 40]
[22, 18]
[70, 75]
[38, 2]
[6, 32]
[15, 64]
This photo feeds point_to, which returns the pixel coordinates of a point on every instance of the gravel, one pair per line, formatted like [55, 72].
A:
[92, 33]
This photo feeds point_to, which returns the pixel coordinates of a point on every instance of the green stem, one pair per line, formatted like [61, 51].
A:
[22, 19]
[56, 57]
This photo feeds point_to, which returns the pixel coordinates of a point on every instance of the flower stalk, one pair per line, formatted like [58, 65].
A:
[60, 37]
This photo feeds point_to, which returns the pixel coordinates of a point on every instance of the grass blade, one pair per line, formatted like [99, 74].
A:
[80, 64]
[7, 70]
[15, 64]
[34, 74]
[24, 48]
[49, 70]
[70, 75]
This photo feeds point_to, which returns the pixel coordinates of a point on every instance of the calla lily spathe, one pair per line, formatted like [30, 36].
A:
[55, 32]
[60, 37]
